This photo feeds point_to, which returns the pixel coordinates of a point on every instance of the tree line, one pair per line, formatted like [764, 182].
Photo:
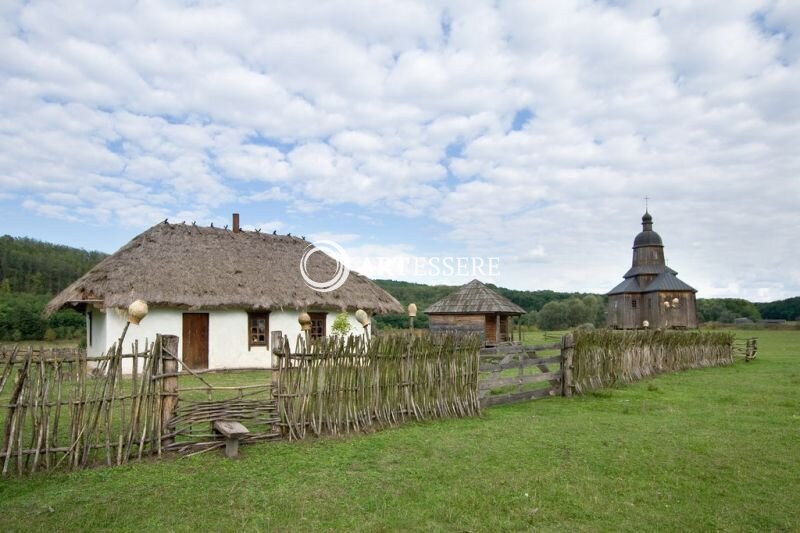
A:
[788, 309]
[551, 310]
[31, 272]
[545, 309]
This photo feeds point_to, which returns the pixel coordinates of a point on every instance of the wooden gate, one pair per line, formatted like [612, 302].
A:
[514, 372]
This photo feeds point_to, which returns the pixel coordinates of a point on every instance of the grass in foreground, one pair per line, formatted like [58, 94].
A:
[702, 449]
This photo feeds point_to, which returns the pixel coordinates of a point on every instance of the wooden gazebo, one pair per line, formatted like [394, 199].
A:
[475, 308]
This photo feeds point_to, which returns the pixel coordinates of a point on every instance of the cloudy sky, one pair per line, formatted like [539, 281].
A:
[527, 131]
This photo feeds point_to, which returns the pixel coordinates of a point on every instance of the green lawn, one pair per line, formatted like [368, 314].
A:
[713, 449]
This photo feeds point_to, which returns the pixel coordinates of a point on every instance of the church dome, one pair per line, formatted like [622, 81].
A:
[647, 237]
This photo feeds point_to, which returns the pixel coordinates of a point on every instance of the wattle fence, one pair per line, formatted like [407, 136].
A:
[64, 409]
[604, 357]
[61, 409]
[338, 385]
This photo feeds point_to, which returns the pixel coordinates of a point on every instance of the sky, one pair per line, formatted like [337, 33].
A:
[523, 133]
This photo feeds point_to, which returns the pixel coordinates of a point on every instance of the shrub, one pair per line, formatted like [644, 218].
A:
[341, 325]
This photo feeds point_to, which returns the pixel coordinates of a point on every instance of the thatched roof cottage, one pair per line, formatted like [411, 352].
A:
[221, 291]
[475, 308]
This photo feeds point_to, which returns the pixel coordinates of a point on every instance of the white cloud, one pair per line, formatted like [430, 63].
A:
[114, 114]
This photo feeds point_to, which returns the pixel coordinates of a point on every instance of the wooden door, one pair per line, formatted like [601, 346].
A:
[490, 331]
[195, 340]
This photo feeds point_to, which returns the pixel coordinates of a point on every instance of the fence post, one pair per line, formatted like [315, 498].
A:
[169, 384]
[567, 349]
[276, 343]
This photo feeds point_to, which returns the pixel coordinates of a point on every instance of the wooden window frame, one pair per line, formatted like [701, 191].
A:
[633, 304]
[317, 317]
[255, 315]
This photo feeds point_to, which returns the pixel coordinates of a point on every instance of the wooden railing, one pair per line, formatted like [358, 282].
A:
[747, 348]
[515, 372]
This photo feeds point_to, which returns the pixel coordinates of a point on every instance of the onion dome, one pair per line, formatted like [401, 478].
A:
[647, 237]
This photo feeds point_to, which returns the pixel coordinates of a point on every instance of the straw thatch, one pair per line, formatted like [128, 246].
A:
[477, 298]
[180, 265]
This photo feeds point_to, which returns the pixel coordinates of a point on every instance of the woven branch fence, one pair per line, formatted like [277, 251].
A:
[602, 358]
[337, 385]
[61, 409]
[64, 409]
[190, 426]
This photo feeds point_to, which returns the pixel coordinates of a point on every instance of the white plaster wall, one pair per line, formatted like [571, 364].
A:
[164, 321]
[227, 334]
[227, 342]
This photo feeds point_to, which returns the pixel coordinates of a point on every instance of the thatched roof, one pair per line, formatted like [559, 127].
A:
[180, 265]
[475, 298]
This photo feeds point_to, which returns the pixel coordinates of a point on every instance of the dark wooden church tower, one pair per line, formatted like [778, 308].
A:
[651, 291]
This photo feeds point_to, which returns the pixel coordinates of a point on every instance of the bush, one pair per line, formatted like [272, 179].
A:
[341, 326]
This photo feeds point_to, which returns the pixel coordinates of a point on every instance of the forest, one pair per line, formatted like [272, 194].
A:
[31, 272]
[788, 309]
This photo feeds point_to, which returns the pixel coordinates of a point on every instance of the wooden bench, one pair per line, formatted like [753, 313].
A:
[233, 432]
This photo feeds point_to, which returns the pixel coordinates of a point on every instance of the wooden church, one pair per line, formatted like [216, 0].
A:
[651, 296]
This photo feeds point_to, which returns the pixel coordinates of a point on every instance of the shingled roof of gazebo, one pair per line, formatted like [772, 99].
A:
[475, 298]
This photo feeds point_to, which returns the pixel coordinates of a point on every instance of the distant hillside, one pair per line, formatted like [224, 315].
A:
[788, 309]
[35, 267]
[30, 273]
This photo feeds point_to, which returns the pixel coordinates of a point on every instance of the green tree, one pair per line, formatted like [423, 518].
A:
[725, 309]
[341, 325]
[553, 316]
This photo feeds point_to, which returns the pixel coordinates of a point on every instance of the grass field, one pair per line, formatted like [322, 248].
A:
[713, 449]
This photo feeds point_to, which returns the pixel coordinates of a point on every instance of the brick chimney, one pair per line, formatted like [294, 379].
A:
[236, 223]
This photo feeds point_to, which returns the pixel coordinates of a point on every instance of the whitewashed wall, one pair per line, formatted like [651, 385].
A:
[227, 333]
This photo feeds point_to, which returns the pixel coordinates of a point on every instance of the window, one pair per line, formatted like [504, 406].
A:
[633, 304]
[89, 326]
[257, 329]
[318, 326]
